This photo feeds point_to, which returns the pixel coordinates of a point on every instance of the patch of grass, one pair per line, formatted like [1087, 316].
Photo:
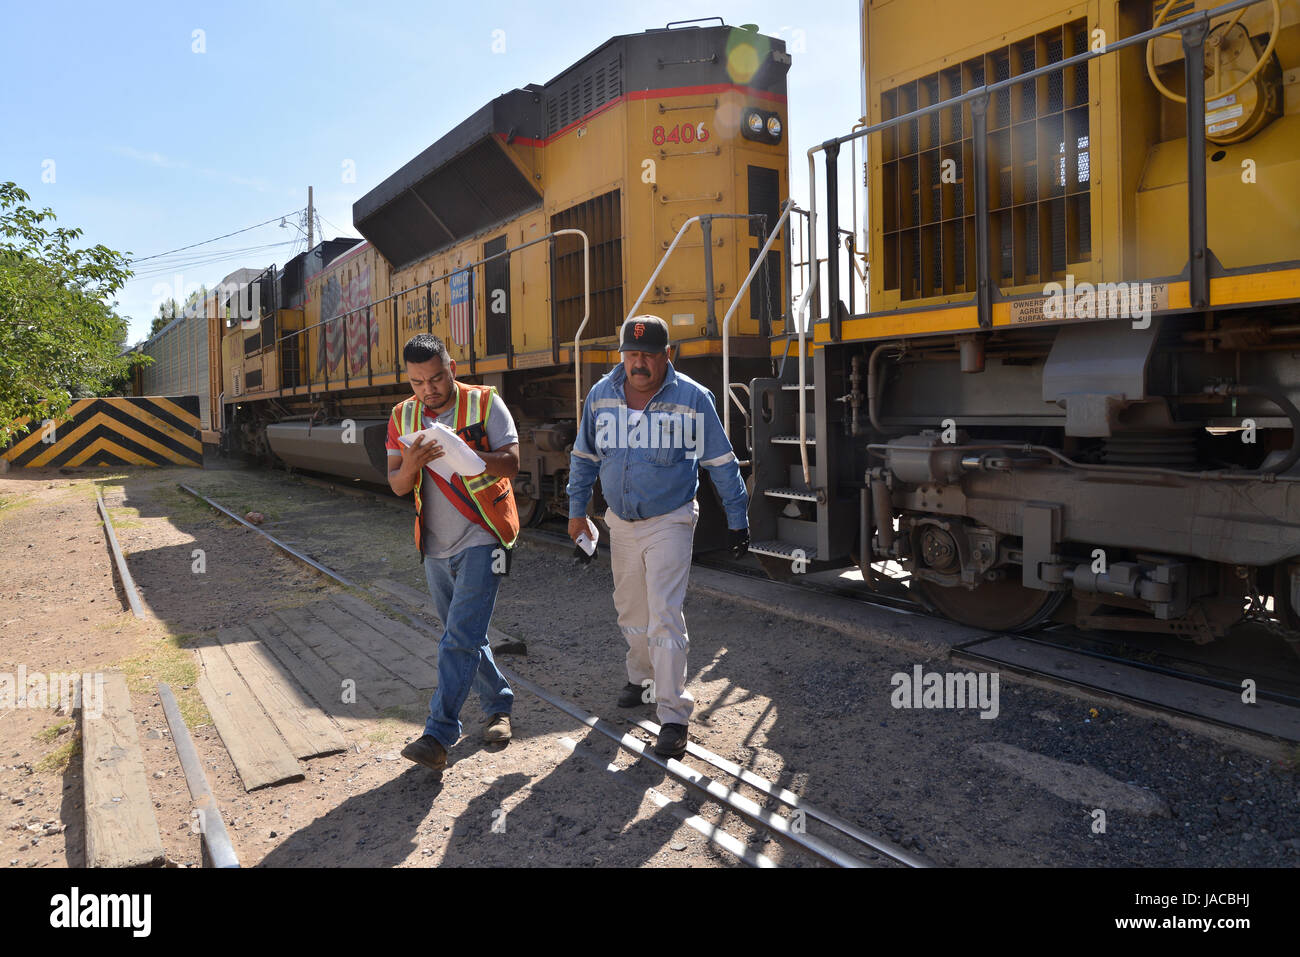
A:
[182, 505]
[123, 516]
[395, 722]
[10, 505]
[58, 760]
[168, 659]
[48, 735]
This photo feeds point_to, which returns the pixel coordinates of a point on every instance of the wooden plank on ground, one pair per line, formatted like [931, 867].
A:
[305, 728]
[416, 642]
[321, 681]
[419, 600]
[121, 830]
[377, 683]
[366, 637]
[261, 756]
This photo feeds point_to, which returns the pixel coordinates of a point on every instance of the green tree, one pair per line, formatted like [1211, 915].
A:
[59, 336]
[196, 298]
[167, 311]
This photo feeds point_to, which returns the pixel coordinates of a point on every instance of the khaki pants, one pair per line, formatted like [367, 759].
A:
[651, 560]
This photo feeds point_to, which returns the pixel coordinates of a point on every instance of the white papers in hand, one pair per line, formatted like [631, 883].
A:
[457, 458]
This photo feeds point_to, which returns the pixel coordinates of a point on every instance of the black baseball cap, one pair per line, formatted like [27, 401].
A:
[644, 334]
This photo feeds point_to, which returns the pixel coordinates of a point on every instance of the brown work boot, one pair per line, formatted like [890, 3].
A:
[426, 750]
[498, 728]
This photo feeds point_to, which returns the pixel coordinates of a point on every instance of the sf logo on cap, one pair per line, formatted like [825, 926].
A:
[638, 330]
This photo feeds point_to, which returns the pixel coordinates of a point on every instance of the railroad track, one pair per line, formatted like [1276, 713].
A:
[739, 794]
[1159, 674]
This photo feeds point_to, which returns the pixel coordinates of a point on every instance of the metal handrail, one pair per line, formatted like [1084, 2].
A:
[726, 320]
[706, 218]
[586, 314]
[977, 97]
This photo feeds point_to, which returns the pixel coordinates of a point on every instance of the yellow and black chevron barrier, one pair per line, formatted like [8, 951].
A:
[138, 430]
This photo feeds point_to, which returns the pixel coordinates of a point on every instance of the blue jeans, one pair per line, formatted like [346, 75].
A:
[464, 591]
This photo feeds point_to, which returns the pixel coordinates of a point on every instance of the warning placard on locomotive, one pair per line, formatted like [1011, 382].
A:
[1106, 300]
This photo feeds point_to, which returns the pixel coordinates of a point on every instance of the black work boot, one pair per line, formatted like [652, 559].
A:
[632, 695]
[426, 750]
[672, 741]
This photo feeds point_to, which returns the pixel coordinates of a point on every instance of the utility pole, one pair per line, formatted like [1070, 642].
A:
[311, 213]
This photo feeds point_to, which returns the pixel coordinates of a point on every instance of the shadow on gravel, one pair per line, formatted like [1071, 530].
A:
[570, 818]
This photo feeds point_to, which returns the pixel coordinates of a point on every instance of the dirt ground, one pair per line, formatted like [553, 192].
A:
[805, 706]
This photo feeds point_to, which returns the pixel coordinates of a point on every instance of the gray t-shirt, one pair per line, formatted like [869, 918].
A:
[446, 531]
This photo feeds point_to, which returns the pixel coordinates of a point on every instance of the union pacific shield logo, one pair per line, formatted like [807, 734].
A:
[462, 307]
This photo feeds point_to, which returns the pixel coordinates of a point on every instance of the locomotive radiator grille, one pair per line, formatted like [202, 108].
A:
[1039, 172]
[600, 218]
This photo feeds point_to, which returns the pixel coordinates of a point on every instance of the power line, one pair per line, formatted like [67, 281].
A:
[216, 256]
[163, 268]
[213, 240]
[207, 254]
[337, 231]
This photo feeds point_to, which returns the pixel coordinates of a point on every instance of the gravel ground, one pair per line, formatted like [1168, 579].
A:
[802, 704]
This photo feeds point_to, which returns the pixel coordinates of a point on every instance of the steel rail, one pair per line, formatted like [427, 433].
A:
[716, 835]
[212, 828]
[272, 539]
[792, 799]
[695, 779]
[128, 583]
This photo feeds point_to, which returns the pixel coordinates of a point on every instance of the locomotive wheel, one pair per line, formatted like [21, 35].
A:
[1004, 605]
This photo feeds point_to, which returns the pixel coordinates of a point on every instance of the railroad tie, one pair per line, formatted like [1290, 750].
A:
[121, 830]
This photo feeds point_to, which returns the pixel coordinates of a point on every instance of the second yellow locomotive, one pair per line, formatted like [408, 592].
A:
[627, 145]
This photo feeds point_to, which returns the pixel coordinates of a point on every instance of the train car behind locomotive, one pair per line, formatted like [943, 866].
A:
[1074, 391]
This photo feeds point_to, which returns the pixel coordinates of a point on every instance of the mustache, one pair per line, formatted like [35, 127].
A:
[640, 371]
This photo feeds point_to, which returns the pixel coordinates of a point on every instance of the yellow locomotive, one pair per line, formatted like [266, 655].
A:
[1073, 390]
[522, 238]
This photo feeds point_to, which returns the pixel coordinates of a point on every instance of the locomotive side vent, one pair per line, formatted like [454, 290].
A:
[1038, 168]
[574, 96]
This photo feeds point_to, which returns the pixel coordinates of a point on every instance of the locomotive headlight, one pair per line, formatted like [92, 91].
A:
[774, 126]
[755, 122]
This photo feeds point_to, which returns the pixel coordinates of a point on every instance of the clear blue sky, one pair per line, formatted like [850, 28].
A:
[152, 146]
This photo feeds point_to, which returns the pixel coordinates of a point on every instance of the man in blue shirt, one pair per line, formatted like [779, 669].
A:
[645, 430]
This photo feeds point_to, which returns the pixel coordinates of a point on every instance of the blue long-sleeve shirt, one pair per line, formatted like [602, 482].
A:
[648, 461]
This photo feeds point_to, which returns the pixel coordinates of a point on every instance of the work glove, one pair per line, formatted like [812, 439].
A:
[738, 541]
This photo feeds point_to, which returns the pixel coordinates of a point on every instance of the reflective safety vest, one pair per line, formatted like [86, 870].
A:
[484, 499]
